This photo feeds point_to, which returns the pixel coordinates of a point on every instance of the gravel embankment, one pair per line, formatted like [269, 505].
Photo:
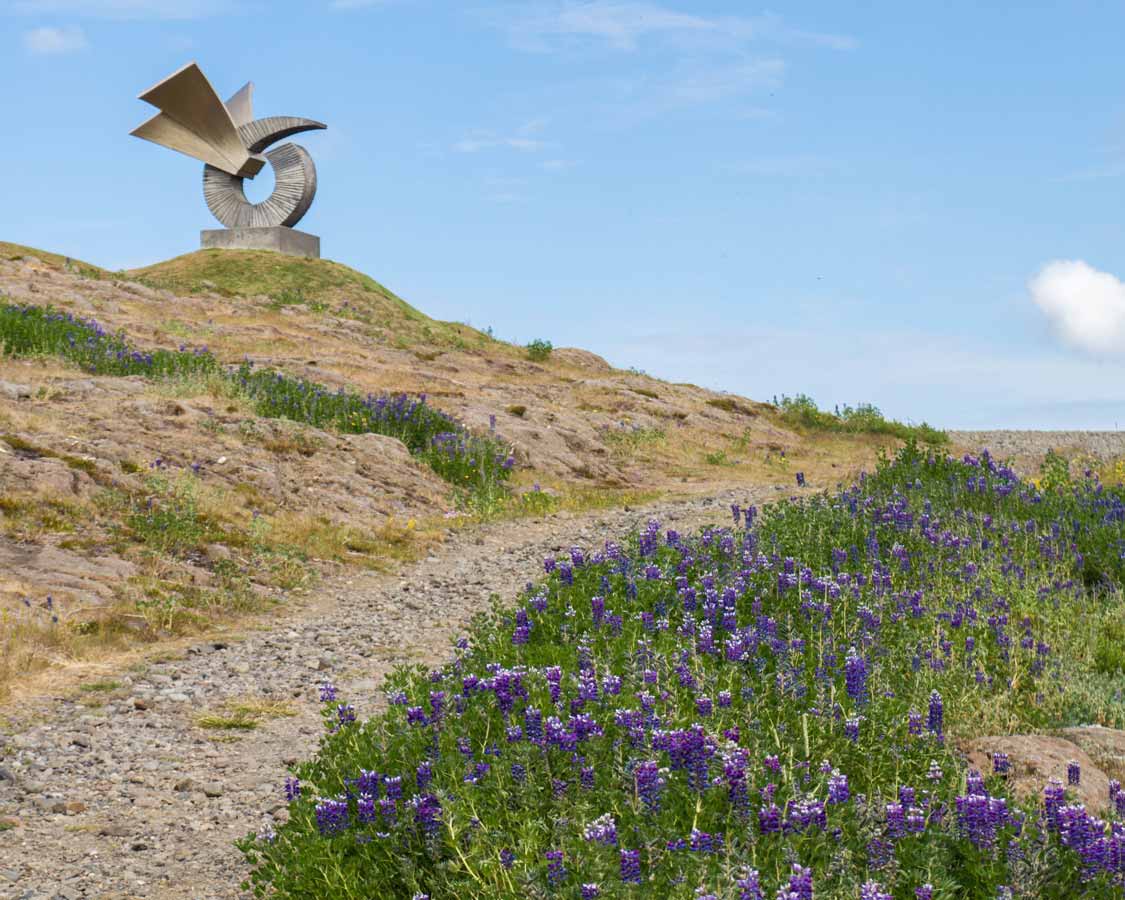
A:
[131, 799]
[1027, 448]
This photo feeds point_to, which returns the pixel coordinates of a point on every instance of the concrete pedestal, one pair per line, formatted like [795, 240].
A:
[278, 238]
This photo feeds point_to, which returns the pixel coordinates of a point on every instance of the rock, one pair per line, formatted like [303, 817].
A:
[10, 875]
[80, 740]
[1035, 759]
[212, 789]
[13, 391]
[184, 784]
[141, 703]
[74, 807]
[114, 831]
[217, 553]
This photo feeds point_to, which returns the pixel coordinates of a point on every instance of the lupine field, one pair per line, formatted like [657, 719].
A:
[476, 464]
[770, 709]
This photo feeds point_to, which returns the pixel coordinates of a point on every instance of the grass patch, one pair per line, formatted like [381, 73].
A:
[731, 405]
[245, 714]
[518, 410]
[629, 439]
[99, 687]
[803, 413]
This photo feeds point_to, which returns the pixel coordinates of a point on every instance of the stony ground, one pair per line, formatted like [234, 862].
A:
[121, 794]
[1027, 448]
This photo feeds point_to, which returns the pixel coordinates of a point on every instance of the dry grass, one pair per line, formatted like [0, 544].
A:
[244, 713]
[377, 547]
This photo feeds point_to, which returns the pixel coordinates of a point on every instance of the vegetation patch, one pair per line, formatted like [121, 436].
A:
[802, 412]
[731, 405]
[766, 710]
[477, 465]
[539, 350]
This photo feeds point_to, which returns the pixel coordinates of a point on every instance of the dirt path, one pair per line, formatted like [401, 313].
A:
[131, 799]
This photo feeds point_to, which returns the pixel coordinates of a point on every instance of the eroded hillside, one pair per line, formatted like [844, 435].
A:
[134, 506]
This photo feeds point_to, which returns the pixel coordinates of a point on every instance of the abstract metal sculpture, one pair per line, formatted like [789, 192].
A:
[230, 142]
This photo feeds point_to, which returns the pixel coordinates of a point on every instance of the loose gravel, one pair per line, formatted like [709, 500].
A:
[133, 799]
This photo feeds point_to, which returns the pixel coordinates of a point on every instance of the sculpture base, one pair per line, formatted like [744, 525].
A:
[277, 238]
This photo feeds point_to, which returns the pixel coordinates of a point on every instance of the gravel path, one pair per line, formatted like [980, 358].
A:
[130, 799]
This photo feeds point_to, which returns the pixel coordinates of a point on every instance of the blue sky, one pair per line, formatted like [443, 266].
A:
[916, 205]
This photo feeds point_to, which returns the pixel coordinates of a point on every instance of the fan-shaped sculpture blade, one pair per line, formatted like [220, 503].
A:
[241, 105]
[194, 121]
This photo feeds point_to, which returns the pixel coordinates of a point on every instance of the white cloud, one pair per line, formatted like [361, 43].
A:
[127, 9]
[624, 25]
[54, 41]
[1085, 307]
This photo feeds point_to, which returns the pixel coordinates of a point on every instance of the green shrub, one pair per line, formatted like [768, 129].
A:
[539, 349]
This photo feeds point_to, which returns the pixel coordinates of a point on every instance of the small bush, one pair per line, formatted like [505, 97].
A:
[518, 410]
[730, 405]
[539, 349]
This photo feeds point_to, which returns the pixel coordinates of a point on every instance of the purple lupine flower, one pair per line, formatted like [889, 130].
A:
[427, 814]
[800, 479]
[800, 885]
[896, 820]
[855, 676]
[1001, 765]
[936, 719]
[924, 892]
[703, 706]
[851, 728]
[424, 774]
[650, 784]
[631, 866]
[292, 789]
[914, 722]
[838, 791]
[591, 891]
[769, 819]
[603, 830]
[507, 858]
[332, 816]
[1073, 772]
[345, 714]
[750, 886]
[556, 871]
[327, 692]
[1054, 796]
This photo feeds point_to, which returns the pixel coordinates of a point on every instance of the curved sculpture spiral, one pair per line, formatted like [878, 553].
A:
[230, 143]
[294, 178]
